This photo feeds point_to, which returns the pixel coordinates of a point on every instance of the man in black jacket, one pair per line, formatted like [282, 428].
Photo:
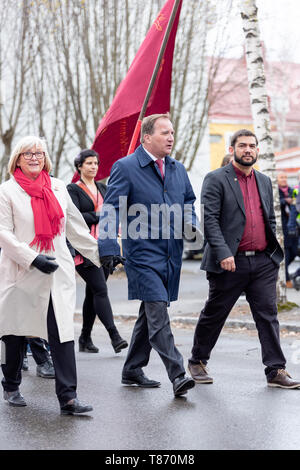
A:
[241, 254]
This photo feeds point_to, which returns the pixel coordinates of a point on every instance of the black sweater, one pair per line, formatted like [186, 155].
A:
[84, 203]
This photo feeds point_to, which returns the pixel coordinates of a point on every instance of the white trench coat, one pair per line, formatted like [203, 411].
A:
[24, 290]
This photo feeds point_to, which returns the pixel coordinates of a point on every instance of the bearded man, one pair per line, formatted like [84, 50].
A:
[242, 254]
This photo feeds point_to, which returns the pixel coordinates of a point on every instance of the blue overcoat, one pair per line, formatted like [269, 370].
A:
[153, 258]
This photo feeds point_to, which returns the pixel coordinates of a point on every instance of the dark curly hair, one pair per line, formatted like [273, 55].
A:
[82, 156]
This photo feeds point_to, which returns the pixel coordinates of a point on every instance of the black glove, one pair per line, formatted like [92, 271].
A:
[108, 263]
[118, 260]
[111, 261]
[45, 264]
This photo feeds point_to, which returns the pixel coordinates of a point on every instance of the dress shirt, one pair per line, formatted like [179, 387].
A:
[154, 159]
[254, 236]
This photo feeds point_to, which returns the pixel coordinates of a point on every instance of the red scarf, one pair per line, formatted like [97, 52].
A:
[47, 213]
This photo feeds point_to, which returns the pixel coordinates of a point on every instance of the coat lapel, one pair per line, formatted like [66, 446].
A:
[86, 195]
[143, 157]
[145, 160]
[262, 191]
[169, 168]
[233, 181]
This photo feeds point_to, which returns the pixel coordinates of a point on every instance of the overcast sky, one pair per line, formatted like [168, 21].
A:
[280, 27]
[279, 22]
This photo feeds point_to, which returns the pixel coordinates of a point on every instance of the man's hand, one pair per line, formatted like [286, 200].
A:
[228, 264]
[118, 260]
[111, 261]
[45, 264]
[108, 263]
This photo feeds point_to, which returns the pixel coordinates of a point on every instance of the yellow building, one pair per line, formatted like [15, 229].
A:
[219, 136]
[230, 108]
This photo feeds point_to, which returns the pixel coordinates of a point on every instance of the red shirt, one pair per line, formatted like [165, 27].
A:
[254, 236]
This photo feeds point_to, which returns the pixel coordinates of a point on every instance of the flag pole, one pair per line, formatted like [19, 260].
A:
[153, 78]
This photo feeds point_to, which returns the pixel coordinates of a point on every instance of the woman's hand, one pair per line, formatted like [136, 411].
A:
[45, 264]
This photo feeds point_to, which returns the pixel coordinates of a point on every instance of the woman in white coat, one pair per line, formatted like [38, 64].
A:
[37, 282]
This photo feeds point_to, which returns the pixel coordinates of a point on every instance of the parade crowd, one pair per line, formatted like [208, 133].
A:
[50, 231]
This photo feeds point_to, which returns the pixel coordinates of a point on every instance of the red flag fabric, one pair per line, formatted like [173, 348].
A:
[117, 126]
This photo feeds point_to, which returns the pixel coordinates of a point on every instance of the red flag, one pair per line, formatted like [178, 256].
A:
[116, 128]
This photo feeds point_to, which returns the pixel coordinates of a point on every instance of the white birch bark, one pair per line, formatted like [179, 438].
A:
[261, 116]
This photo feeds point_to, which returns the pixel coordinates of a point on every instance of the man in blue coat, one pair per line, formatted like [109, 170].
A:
[151, 194]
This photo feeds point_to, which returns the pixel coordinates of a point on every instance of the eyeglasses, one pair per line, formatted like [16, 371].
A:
[29, 155]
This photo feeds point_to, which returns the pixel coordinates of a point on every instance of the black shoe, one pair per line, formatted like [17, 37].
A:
[25, 365]
[118, 343]
[182, 384]
[140, 381]
[74, 407]
[87, 345]
[45, 370]
[14, 398]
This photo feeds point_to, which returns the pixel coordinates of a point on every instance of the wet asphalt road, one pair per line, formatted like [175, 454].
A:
[238, 411]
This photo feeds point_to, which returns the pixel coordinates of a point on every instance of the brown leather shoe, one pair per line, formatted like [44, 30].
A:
[199, 373]
[283, 380]
[289, 284]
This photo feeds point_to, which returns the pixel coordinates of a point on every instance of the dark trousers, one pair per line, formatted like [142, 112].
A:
[256, 276]
[63, 357]
[152, 330]
[96, 299]
[290, 253]
[38, 349]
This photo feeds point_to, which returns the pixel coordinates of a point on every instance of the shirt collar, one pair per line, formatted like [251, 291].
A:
[153, 157]
[241, 173]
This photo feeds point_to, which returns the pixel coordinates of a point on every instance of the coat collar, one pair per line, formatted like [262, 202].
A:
[145, 159]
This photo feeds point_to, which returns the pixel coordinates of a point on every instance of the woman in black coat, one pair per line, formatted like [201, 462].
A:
[87, 195]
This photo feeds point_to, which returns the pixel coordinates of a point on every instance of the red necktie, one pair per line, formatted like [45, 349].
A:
[160, 165]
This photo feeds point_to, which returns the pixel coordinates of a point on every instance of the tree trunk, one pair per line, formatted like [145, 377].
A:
[261, 117]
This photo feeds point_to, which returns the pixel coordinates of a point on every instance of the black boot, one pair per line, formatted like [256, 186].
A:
[86, 344]
[117, 342]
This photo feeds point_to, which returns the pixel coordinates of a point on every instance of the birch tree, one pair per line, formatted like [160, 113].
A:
[261, 116]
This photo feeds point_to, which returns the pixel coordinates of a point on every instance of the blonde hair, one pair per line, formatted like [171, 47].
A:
[24, 144]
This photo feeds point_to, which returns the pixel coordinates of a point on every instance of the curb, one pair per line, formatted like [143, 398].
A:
[248, 324]
[192, 321]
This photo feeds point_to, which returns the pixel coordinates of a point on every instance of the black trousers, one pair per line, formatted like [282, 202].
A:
[38, 349]
[63, 357]
[96, 299]
[256, 276]
[152, 330]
